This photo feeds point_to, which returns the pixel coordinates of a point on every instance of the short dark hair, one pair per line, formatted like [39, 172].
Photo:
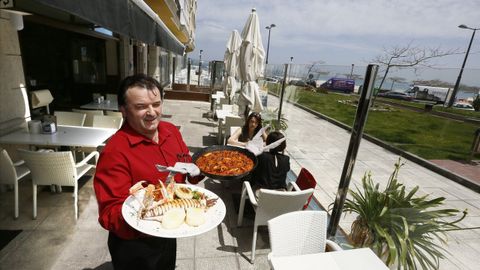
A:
[273, 137]
[140, 80]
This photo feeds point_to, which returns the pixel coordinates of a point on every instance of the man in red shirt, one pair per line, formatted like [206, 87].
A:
[129, 157]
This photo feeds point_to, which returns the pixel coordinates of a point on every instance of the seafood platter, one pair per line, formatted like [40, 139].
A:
[172, 211]
[225, 162]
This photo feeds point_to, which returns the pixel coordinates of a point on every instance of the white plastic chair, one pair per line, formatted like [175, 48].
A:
[270, 204]
[89, 116]
[70, 118]
[113, 113]
[102, 121]
[298, 233]
[107, 121]
[220, 102]
[56, 168]
[11, 173]
[230, 121]
[231, 131]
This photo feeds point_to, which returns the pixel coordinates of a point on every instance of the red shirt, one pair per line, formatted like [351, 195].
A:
[128, 158]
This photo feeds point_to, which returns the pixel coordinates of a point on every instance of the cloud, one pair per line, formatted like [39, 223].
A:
[341, 29]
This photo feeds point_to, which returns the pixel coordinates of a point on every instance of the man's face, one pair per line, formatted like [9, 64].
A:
[142, 110]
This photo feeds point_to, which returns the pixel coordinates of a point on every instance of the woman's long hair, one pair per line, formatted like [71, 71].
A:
[244, 136]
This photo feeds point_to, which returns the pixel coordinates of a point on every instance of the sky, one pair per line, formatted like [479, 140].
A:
[343, 32]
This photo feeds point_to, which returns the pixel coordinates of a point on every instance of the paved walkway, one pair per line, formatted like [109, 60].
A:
[469, 170]
[55, 241]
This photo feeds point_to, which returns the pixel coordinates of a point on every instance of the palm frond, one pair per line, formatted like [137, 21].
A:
[403, 228]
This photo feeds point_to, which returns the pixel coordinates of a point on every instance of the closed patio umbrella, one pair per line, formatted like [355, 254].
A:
[231, 63]
[251, 66]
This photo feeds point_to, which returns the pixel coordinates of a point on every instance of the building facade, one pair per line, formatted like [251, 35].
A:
[77, 48]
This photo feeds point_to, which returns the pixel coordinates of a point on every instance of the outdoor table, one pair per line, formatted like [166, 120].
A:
[222, 114]
[358, 259]
[217, 97]
[214, 100]
[220, 94]
[71, 136]
[106, 106]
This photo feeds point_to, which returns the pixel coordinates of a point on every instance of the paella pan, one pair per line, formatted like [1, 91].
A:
[225, 162]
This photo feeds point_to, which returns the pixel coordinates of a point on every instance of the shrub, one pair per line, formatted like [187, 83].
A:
[400, 226]
[476, 103]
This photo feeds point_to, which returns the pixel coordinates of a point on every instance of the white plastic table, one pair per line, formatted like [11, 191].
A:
[65, 136]
[358, 259]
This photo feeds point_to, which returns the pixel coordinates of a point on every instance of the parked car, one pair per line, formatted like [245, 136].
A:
[339, 84]
[270, 79]
[395, 95]
[464, 106]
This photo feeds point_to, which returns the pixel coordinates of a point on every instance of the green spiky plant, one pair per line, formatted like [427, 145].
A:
[476, 103]
[400, 227]
[271, 119]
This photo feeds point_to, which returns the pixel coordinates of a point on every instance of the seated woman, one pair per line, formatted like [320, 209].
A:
[273, 166]
[242, 135]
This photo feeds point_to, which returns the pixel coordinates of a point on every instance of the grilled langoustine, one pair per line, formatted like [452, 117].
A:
[159, 199]
[154, 194]
[161, 209]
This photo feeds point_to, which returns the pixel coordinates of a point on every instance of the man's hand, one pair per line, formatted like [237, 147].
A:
[187, 168]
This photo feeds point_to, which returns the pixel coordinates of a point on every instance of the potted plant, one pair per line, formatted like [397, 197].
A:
[270, 117]
[402, 228]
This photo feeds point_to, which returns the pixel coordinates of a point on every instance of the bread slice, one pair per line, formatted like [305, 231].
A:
[173, 218]
[195, 217]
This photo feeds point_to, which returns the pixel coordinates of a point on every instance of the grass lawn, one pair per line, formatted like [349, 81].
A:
[422, 134]
[467, 113]
[440, 108]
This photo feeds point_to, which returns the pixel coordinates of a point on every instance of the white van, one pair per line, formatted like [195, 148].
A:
[432, 93]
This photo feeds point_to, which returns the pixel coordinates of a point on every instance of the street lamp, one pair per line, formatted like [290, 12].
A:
[457, 84]
[268, 42]
[200, 67]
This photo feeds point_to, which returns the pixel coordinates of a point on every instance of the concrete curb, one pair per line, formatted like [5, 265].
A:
[423, 162]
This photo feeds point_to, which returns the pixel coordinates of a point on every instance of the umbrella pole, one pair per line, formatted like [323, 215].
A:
[282, 93]
[188, 74]
[245, 112]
